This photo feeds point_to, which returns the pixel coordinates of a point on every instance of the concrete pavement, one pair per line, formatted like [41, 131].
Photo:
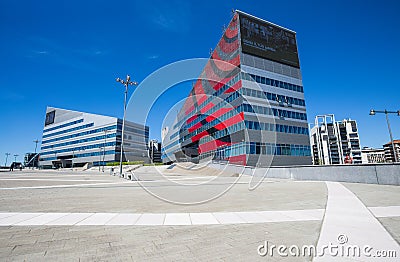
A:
[52, 215]
[348, 222]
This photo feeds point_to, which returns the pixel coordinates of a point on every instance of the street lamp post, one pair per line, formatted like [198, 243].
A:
[104, 147]
[55, 156]
[72, 160]
[73, 156]
[100, 148]
[126, 83]
[34, 156]
[7, 154]
[15, 157]
[386, 112]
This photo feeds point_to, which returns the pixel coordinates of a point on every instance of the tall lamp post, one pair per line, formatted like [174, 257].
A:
[15, 157]
[34, 160]
[7, 154]
[386, 112]
[126, 83]
[72, 160]
[73, 156]
[100, 148]
[104, 147]
[55, 156]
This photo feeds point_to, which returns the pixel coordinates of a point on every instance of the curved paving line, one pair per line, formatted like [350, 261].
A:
[348, 222]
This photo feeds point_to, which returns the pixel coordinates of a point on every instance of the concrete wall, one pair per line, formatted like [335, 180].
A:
[385, 174]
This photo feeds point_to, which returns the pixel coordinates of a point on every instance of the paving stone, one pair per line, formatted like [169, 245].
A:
[177, 219]
[70, 219]
[151, 220]
[97, 219]
[203, 219]
[134, 227]
[123, 219]
[15, 219]
[228, 218]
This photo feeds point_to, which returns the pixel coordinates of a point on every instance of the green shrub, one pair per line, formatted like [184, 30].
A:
[125, 163]
[154, 164]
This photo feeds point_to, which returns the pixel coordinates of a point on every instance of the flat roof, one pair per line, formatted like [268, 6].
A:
[265, 21]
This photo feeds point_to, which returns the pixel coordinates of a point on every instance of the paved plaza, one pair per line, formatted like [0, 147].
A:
[171, 216]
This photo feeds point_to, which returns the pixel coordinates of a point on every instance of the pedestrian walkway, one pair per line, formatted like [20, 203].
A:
[208, 218]
[154, 219]
[102, 217]
[348, 222]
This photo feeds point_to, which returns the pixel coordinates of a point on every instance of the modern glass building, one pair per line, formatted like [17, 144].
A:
[247, 107]
[77, 138]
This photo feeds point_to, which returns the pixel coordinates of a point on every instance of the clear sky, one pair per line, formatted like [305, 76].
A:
[68, 53]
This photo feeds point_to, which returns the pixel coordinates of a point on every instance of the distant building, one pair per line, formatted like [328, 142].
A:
[335, 142]
[372, 155]
[155, 151]
[72, 138]
[164, 133]
[389, 151]
[31, 160]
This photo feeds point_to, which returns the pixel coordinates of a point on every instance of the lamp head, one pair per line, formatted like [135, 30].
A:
[372, 112]
[398, 112]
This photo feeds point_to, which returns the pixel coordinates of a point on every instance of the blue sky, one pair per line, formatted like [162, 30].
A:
[68, 53]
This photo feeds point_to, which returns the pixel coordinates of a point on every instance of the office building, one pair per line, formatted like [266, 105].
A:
[247, 106]
[31, 160]
[335, 142]
[389, 156]
[372, 155]
[72, 138]
[155, 151]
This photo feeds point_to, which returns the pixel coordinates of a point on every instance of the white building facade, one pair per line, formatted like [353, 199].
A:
[72, 139]
[389, 153]
[335, 142]
[373, 155]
